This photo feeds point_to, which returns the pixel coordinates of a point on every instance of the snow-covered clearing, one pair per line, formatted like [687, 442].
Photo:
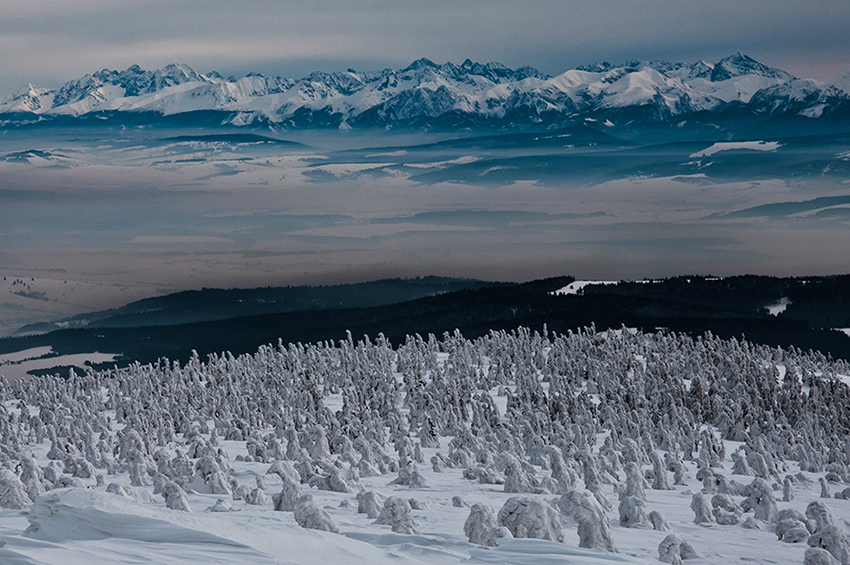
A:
[14, 371]
[346, 169]
[576, 287]
[463, 160]
[736, 145]
[26, 354]
[779, 306]
[399, 153]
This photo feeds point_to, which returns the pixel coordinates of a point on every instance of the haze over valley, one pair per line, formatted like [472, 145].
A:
[137, 183]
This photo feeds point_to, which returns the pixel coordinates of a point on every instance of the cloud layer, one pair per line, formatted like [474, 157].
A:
[52, 42]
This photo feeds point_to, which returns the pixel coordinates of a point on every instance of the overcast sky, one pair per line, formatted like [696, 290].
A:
[53, 41]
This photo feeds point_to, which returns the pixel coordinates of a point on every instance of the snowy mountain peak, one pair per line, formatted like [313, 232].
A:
[842, 82]
[806, 97]
[700, 69]
[28, 99]
[470, 93]
[739, 65]
[29, 89]
[498, 72]
[421, 63]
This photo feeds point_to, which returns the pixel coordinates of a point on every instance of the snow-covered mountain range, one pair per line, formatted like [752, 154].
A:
[425, 93]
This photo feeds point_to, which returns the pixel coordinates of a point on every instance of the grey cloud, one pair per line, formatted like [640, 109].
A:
[491, 219]
[60, 41]
[785, 209]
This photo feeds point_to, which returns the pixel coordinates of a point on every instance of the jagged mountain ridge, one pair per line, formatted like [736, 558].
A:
[426, 91]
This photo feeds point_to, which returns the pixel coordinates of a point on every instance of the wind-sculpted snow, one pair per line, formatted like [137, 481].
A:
[363, 452]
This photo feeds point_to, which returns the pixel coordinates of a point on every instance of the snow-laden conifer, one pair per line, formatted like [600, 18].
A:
[530, 518]
[370, 503]
[702, 511]
[819, 556]
[725, 511]
[397, 513]
[290, 494]
[481, 527]
[673, 549]
[13, 493]
[593, 527]
[310, 515]
[761, 500]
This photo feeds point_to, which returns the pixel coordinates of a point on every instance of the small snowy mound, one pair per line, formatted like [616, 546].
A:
[310, 515]
[633, 512]
[673, 549]
[397, 514]
[818, 556]
[13, 493]
[221, 505]
[285, 470]
[531, 518]
[408, 475]
[481, 527]
[725, 511]
[370, 503]
[593, 527]
[287, 499]
[209, 477]
[760, 499]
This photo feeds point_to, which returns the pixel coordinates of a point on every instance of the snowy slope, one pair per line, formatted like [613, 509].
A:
[842, 82]
[425, 90]
[736, 449]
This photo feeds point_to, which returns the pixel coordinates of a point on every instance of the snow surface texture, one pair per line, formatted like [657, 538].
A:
[295, 455]
[425, 90]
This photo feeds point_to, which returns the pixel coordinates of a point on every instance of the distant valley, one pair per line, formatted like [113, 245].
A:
[139, 184]
[807, 313]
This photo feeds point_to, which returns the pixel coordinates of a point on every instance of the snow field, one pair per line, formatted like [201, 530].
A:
[85, 463]
[737, 145]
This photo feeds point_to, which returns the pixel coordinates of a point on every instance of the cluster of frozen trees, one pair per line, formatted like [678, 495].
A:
[658, 400]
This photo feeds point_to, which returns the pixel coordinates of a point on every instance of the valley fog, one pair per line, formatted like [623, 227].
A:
[140, 213]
